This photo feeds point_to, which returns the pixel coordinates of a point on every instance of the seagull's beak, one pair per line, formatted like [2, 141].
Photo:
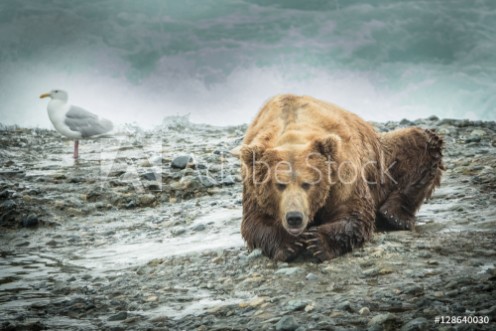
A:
[44, 95]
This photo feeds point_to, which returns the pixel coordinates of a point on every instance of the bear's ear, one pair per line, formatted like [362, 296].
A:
[249, 154]
[328, 146]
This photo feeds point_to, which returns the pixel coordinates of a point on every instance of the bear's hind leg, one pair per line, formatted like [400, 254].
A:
[422, 151]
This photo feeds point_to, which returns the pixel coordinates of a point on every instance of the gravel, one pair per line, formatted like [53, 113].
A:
[135, 243]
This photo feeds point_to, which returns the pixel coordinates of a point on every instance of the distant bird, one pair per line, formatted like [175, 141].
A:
[74, 122]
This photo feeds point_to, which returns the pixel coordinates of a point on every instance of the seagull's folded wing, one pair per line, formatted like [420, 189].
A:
[88, 124]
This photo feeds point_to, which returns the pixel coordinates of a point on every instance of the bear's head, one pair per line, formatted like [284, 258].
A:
[291, 182]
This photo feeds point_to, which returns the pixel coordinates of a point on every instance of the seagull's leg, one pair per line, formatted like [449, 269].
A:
[76, 149]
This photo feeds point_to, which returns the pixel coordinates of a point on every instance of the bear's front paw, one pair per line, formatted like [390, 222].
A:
[317, 244]
[289, 251]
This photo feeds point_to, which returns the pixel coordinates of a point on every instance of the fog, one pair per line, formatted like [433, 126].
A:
[220, 60]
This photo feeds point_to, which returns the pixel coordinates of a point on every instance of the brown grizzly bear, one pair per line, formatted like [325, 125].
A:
[319, 179]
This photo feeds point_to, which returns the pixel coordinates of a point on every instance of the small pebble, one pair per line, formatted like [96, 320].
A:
[311, 276]
[120, 316]
[364, 311]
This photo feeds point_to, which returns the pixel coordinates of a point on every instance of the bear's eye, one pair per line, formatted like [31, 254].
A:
[280, 186]
[306, 186]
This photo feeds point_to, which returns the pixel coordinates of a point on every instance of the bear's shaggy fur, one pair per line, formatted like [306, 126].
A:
[319, 179]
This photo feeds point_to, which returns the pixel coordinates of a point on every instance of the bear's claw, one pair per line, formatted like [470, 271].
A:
[289, 251]
[316, 244]
[397, 220]
[312, 243]
[317, 253]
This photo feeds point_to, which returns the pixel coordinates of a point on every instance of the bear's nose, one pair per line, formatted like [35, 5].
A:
[294, 218]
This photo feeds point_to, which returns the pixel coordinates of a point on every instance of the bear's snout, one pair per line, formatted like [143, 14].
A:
[294, 219]
[295, 222]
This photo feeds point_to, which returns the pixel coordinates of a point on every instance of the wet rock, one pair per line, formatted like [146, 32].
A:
[337, 314]
[286, 323]
[473, 139]
[215, 168]
[131, 204]
[364, 311]
[311, 276]
[296, 304]
[194, 183]
[256, 253]
[406, 122]
[478, 132]
[491, 312]
[417, 324]
[149, 176]
[153, 187]
[181, 162]
[228, 180]
[371, 272]
[386, 322]
[414, 290]
[93, 196]
[207, 181]
[30, 221]
[120, 316]
[116, 328]
[447, 121]
[178, 231]
[198, 227]
[7, 205]
[289, 271]
[145, 200]
[345, 306]
[310, 307]
[255, 302]
[5, 194]
[151, 298]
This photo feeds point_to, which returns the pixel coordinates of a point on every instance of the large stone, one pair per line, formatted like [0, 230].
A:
[417, 324]
[289, 271]
[296, 304]
[386, 322]
[311, 276]
[30, 221]
[149, 176]
[286, 323]
[118, 317]
[478, 132]
[181, 162]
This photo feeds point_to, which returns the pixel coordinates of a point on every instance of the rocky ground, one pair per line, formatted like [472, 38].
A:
[142, 233]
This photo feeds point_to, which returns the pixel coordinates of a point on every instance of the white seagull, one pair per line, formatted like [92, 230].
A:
[74, 122]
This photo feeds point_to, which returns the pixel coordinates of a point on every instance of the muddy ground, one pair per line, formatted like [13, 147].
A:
[131, 237]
